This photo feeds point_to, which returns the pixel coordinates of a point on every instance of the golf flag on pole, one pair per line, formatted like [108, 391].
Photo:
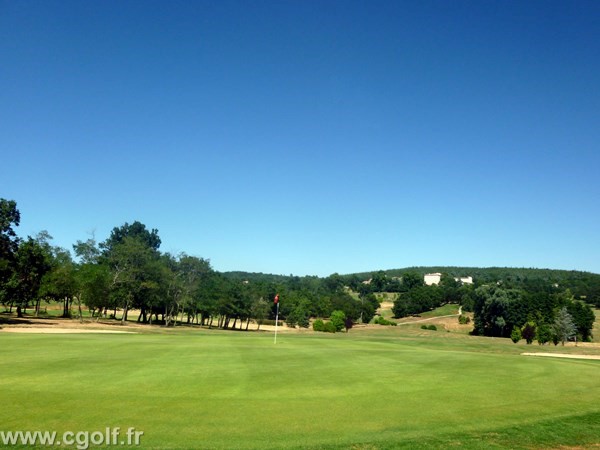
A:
[276, 301]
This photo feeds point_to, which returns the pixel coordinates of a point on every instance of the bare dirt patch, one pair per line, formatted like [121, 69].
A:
[44, 330]
[562, 355]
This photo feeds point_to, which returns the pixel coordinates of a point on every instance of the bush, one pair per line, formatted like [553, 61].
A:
[464, 320]
[318, 325]
[516, 336]
[330, 327]
[544, 334]
[528, 332]
[381, 321]
[429, 327]
[338, 318]
[327, 327]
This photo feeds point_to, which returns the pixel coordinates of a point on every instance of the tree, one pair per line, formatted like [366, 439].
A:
[136, 230]
[528, 332]
[583, 318]
[132, 284]
[9, 243]
[400, 308]
[544, 334]
[515, 335]
[564, 328]
[495, 311]
[31, 264]
[379, 281]
[338, 319]
[60, 282]
[259, 311]
[348, 323]
[411, 280]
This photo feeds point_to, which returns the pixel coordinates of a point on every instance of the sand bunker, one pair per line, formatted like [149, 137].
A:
[60, 330]
[562, 355]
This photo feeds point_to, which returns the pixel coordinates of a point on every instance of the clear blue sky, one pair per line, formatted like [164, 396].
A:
[309, 137]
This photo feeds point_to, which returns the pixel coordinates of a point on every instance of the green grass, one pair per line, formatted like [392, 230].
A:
[381, 389]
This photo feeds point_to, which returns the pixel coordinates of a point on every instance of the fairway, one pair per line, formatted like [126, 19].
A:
[364, 390]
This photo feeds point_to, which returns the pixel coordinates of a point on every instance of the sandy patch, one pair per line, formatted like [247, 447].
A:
[43, 330]
[562, 355]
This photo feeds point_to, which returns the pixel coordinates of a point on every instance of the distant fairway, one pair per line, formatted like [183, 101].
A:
[389, 388]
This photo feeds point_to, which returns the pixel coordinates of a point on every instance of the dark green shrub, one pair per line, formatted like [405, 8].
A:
[327, 327]
[432, 328]
[381, 321]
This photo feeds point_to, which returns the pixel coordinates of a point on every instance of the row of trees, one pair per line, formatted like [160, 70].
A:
[499, 311]
[128, 271]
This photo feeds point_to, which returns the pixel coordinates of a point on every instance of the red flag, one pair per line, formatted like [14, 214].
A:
[276, 300]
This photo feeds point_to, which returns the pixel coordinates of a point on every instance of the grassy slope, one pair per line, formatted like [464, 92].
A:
[373, 389]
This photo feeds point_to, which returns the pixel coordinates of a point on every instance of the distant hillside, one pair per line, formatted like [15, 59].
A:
[582, 284]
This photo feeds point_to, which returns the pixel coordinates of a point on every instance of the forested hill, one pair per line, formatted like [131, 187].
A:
[489, 274]
[581, 284]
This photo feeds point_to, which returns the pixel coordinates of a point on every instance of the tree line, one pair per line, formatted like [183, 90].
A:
[128, 271]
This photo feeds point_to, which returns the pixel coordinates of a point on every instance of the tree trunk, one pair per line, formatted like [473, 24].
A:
[79, 308]
[247, 324]
[37, 307]
[19, 312]
[66, 307]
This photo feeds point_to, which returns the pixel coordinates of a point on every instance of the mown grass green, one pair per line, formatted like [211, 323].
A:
[363, 390]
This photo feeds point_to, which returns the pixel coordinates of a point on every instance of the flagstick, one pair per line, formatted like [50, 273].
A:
[276, 321]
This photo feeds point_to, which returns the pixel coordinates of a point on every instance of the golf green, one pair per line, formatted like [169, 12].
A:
[376, 390]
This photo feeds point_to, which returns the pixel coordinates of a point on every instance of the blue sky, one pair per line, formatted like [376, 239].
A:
[309, 137]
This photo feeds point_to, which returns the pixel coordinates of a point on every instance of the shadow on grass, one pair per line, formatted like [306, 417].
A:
[10, 319]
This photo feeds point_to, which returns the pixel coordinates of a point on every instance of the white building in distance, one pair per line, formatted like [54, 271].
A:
[434, 278]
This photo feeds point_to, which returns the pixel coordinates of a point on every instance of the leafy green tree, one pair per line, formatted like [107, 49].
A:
[544, 334]
[379, 281]
[338, 319]
[136, 230]
[583, 318]
[259, 311]
[31, 264]
[515, 334]
[400, 308]
[411, 280]
[60, 282]
[564, 328]
[9, 242]
[368, 307]
[494, 311]
[129, 261]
